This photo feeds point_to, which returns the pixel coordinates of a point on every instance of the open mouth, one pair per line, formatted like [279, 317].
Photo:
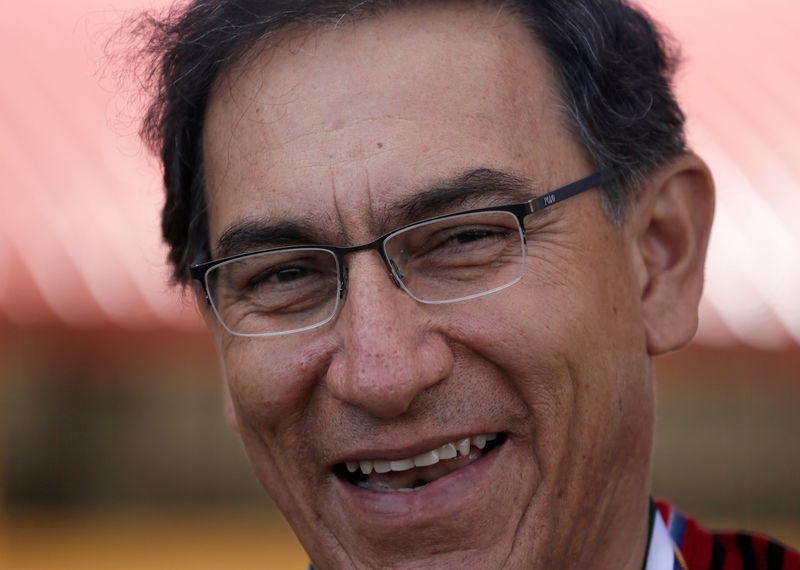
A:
[413, 473]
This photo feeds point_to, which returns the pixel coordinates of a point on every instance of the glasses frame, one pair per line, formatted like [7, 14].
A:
[199, 272]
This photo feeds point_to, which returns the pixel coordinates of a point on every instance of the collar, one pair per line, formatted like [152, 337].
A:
[662, 554]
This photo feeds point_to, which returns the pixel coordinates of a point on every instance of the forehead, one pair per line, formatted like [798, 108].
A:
[332, 124]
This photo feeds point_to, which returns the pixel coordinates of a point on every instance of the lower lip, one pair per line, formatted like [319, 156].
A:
[438, 498]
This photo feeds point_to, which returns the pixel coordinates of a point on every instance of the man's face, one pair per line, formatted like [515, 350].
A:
[332, 129]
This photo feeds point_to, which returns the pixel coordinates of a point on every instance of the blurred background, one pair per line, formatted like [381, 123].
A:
[113, 449]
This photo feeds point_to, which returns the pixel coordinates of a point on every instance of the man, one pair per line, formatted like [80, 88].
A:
[438, 245]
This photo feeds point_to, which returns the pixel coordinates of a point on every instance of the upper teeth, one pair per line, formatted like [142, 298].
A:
[432, 457]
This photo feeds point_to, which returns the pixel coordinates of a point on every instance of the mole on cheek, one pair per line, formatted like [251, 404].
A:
[380, 145]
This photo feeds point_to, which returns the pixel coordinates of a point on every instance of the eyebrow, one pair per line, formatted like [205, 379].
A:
[256, 234]
[471, 189]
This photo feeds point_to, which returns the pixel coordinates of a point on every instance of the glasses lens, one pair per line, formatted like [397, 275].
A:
[275, 292]
[458, 257]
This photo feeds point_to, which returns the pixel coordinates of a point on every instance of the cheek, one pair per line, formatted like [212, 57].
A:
[269, 382]
[568, 338]
[525, 344]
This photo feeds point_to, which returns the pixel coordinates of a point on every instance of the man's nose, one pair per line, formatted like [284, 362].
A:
[390, 349]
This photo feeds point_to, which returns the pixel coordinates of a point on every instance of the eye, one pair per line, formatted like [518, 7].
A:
[278, 275]
[462, 240]
[471, 235]
[288, 274]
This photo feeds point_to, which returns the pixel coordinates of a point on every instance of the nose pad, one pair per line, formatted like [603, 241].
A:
[396, 274]
[345, 276]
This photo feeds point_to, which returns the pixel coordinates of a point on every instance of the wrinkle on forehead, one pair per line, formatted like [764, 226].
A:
[315, 104]
[307, 49]
[339, 195]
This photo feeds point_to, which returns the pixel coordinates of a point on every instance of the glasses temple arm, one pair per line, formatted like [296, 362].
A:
[592, 181]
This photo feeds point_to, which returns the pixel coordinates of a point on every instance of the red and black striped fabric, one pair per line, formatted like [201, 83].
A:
[704, 550]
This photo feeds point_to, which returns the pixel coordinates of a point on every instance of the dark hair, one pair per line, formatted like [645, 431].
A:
[614, 67]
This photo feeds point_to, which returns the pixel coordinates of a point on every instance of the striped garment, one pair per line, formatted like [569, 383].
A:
[703, 550]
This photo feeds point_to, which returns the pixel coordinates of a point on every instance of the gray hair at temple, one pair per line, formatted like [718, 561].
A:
[614, 67]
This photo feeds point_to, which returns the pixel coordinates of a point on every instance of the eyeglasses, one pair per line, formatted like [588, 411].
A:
[444, 259]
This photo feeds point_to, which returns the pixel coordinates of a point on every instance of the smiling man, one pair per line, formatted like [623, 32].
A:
[438, 245]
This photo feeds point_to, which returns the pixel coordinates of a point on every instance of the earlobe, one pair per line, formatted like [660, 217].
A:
[673, 218]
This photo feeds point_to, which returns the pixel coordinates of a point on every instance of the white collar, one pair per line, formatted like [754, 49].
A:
[661, 554]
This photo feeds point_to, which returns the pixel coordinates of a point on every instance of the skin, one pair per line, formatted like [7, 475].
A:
[332, 127]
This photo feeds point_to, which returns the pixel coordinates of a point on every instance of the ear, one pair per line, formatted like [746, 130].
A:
[672, 218]
[213, 324]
